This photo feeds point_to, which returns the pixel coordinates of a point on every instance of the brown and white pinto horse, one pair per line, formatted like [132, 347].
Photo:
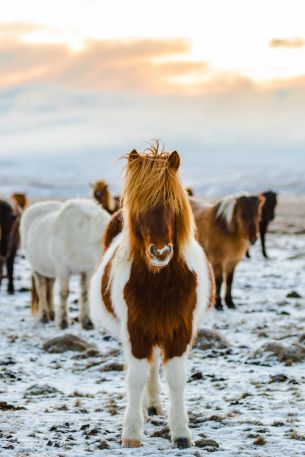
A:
[103, 196]
[114, 227]
[225, 230]
[152, 289]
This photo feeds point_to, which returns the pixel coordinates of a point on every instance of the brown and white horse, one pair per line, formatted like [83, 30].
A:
[152, 289]
[102, 194]
[225, 230]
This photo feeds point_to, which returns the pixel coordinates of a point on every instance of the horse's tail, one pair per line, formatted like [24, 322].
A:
[35, 301]
[212, 299]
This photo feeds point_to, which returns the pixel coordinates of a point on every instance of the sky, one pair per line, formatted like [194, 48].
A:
[222, 77]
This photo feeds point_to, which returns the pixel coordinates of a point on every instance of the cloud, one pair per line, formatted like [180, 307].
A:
[24, 62]
[158, 66]
[143, 64]
[13, 31]
[287, 43]
[132, 65]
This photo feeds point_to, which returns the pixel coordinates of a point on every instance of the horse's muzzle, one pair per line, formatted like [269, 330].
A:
[160, 257]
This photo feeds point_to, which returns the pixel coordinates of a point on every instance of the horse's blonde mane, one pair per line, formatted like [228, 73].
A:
[151, 180]
[226, 206]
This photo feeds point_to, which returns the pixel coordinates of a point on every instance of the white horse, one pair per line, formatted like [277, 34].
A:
[152, 289]
[60, 240]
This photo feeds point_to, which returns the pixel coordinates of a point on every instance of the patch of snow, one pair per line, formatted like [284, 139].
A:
[75, 403]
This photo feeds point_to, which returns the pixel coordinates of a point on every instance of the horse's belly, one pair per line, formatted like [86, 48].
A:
[37, 254]
[40, 263]
[76, 257]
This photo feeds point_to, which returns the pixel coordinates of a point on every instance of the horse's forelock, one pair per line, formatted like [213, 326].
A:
[251, 206]
[225, 209]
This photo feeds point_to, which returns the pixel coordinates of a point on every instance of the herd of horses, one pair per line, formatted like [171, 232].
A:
[151, 264]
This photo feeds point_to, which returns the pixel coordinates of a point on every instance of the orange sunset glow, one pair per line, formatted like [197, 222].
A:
[215, 78]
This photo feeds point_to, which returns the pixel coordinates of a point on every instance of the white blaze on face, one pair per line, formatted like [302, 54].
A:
[163, 250]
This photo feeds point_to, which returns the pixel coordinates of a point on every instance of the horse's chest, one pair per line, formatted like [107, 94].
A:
[160, 311]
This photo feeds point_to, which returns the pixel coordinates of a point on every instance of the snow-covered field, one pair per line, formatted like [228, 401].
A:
[72, 404]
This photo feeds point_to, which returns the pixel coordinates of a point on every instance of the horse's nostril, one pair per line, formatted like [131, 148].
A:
[152, 250]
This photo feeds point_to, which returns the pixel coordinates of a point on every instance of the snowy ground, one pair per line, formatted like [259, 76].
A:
[232, 398]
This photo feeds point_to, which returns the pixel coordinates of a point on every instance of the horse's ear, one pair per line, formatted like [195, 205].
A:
[174, 160]
[133, 155]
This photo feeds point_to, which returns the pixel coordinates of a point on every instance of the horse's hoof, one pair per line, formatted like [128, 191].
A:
[44, 318]
[155, 410]
[182, 443]
[231, 305]
[87, 324]
[11, 291]
[64, 324]
[126, 442]
[219, 307]
[52, 316]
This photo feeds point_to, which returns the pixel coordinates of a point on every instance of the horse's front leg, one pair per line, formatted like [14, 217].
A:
[137, 375]
[178, 420]
[229, 281]
[84, 318]
[63, 311]
[263, 241]
[153, 399]
[218, 282]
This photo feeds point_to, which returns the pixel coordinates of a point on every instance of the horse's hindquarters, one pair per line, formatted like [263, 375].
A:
[37, 247]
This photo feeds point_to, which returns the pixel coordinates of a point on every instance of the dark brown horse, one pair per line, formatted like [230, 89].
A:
[9, 241]
[267, 215]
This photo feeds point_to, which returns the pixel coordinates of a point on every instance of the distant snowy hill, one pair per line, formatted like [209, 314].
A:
[54, 141]
[213, 172]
